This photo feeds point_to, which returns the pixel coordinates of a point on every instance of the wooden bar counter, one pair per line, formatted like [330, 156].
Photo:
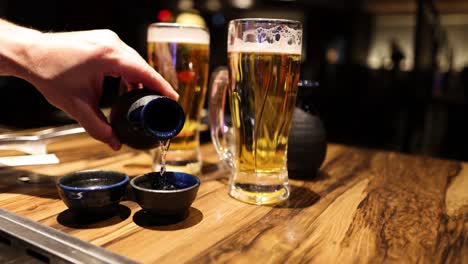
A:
[364, 206]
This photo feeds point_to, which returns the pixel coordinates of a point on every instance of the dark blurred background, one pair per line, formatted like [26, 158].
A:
[393, 74]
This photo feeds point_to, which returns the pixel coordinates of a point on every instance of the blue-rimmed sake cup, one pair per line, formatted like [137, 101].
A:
[154, 198]
[92, 192]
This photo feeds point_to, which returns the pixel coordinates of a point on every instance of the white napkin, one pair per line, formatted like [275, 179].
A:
[28, 160]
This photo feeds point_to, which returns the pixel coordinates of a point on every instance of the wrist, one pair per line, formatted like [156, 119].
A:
[17, 48]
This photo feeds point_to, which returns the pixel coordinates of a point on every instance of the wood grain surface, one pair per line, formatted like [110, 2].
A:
[364, 206]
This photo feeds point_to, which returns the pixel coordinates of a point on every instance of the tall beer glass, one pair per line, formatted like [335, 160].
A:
[180, 53]
[264, 58]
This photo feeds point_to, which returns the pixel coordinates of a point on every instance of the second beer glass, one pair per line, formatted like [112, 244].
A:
[180, 53]
[264, 57]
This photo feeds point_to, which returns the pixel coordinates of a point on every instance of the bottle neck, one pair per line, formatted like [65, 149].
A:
[160, 117]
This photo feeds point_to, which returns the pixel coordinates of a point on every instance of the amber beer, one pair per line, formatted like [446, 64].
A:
[264, 88]
[264, 57]
[181, 55]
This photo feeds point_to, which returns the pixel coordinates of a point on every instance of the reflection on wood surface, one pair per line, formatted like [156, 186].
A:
[364, 206]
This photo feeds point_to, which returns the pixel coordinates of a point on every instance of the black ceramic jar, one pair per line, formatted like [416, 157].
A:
[307, 142]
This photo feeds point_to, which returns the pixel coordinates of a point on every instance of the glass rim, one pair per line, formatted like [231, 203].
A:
[176, 25]
[265, 20]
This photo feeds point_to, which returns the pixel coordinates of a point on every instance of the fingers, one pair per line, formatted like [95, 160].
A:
[137, 55]
[95, 123]
[135, 70]
[123, 61]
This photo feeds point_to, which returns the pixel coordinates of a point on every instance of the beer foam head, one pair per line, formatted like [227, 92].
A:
[274, 39]
[177, 33]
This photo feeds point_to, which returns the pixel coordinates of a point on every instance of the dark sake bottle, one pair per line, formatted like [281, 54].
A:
[142, 119]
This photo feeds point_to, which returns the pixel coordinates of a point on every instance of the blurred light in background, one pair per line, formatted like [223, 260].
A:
[332, 56]
[165, 15]
[398, 28]
[456, 26]
[189, 15]
[185, 5]
[401, 29]
[242, 4]
[190, 19]
[213, 5]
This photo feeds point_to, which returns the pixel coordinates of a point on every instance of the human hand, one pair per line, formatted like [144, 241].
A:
[69, 69]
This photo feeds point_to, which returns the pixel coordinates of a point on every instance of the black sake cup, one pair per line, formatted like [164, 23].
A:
[156, 201]
[92, 192]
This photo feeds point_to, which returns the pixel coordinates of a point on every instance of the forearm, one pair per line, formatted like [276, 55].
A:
[16, 46]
